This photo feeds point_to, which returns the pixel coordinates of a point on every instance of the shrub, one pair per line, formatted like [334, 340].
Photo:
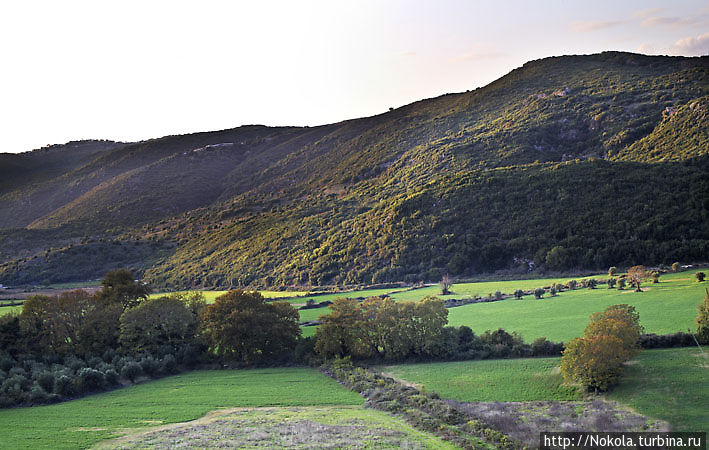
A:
[168, 364]
[38, 395]
[655, 275]
[89, 380]
[700, 276]
[611, 271]
[572, 284]
[675, 267]
[498, 295]
[611, 283]
[45, 379]
[552, 290]
[539, 293]
[621, 284]
[64, 386]
[131, 371]
[519, 293]
[591, 283]
[112, 377]
[149, 365]
[542, 347]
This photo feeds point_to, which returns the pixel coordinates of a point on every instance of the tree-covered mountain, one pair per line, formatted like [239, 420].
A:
[567, 162]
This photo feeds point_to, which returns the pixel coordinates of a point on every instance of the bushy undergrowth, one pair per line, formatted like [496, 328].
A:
[33, 380]
[425, 411]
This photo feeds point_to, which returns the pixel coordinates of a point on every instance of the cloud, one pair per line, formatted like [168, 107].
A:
[673, 22]
[691, 46]
[588, 26]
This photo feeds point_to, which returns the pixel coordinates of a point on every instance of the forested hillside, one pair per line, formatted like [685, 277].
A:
[567, 163]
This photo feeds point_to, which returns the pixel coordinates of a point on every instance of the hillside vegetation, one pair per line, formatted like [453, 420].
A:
[565, 163]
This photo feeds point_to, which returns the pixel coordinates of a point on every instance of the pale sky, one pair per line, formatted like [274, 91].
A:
[131, 70]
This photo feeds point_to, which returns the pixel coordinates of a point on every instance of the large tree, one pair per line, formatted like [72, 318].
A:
[636, 275]
[120, 287]
[241, 326]
[158, 322]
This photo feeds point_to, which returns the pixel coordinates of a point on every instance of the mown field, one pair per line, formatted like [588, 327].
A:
[81, 423]
[667, 384]
[287, 427]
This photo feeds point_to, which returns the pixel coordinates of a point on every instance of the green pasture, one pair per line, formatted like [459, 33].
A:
[665, 307]
[499, 380]
[15, 309]
[81, 423]
[669, 384]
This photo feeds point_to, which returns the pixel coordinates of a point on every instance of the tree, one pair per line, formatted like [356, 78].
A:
[700, 276]
[636, 275]
[155, 323]
[655, 275]
[611, 283]
[572, 284]
[446, 284]
[675, 267]
[611, 271]
[611, 338]
[596, 362]
[119, 287]
[703, 320]
[539, 292]
[342, 332]
[240, 326]
[621, 321]
[519, 293]
[621, 284]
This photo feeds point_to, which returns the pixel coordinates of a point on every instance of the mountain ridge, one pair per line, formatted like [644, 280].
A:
[181, 194]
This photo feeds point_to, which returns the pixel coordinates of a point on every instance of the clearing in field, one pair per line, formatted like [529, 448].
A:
[83, 422]
[292, 427]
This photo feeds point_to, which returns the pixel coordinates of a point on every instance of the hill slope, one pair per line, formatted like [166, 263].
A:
[463, 183]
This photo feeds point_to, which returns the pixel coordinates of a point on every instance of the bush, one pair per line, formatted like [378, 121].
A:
[542, 347]
[591, 283]
[539, 293]
[621, 284]
[38, 395]
[131, 371]
[88, 380]
[46, 380]
[112, 377]
[572, 284]
[675, 267]
[519, 293]
[611, 271]
[168, 364]
[700, 276]
[64, 386]
[611, 283]
[498, 295]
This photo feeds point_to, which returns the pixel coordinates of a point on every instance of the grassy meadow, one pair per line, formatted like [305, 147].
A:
[83, 422]
[667, 384]
[501, 380]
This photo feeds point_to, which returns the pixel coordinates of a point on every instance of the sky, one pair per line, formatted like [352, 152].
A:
[134, 70]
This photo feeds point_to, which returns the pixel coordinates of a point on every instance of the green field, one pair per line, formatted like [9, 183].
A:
[666, 307]
[501, 380]
[210, 296]
[83, 422]
[667, 384]
[17, 309]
